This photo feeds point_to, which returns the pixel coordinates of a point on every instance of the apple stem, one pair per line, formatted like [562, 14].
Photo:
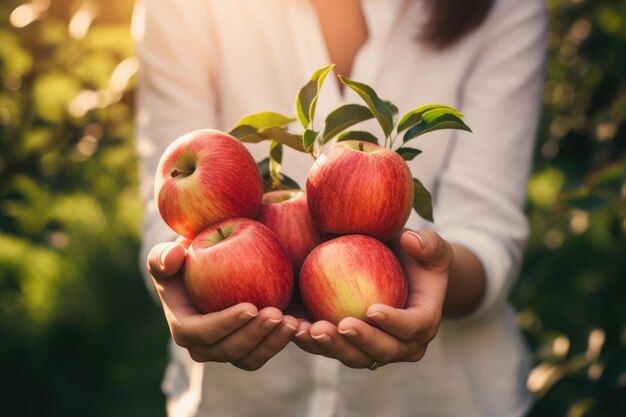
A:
[360, 146]
[175, 173]
[221, 232]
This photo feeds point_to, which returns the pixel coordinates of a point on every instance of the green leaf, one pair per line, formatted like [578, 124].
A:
[393, 107]
[358, 135]
[257, 127]
[264, 170]
[414, 116]
[276, 153]
[287, 183]
[408, 154]
[582, 198]
[307, 97]
[435, 120]
[247, 134]
[279, 180]
[308, 139]
[276, 159]
[284, 137]
[422, 201]
[263, 119]
[383, 110]
[342, 118]
[264, 167]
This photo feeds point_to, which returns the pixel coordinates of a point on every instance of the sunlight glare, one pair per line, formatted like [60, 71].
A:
[542, 377]
[83, 102]
[23, 16]
[595, 343]
[81, 21]
[122, 74]
[579, 222]
[560, 346]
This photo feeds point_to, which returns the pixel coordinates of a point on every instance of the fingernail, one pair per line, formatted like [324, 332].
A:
[420, 238]
[301, 332]
[324, 338]
[269, 324]
[164, 254]
[246, 315]
[377, 315]
[348, 332]
[287, 330]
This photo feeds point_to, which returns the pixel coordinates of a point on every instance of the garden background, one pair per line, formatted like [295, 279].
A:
[79, 334]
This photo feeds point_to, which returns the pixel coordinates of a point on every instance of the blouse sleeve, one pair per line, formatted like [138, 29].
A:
[176, 92]
[481, 194]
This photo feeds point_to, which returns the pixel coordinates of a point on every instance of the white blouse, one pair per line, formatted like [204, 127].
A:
[206, 63]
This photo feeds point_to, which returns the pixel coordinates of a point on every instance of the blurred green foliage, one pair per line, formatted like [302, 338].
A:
[78, 331]
[79, 335]
[570, 295]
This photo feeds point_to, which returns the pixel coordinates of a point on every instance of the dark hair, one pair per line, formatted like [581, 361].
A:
[450, 20]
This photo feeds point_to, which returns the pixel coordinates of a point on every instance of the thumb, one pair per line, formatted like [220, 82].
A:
[427, 248]
[166, 259]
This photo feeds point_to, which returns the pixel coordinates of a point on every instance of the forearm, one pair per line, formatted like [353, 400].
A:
[466, 283]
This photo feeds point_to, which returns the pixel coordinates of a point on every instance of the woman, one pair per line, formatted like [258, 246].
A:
[206, 63]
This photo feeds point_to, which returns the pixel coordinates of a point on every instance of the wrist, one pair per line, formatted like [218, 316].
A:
[466, 283]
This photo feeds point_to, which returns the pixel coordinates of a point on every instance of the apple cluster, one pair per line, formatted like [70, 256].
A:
[328, 240]
[323, 247]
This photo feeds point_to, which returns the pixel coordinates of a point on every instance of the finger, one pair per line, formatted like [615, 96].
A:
[427, 269]
[164, 264]
[174, 297]
[166, 260]
[429, 249]
[304, 340]
[336, 346]
[207, 329]
[242, 341]
[411, 324]
[378, 344]
[270, 346]
[190, 328]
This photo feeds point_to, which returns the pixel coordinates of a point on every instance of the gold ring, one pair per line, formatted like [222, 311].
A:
[374, 366]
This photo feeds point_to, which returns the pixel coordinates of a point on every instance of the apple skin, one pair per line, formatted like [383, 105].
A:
[344, 276]
[369, 192]
[285, 212]
[203, 177]
[248, 264]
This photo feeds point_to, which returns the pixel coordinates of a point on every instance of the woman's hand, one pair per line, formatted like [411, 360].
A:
[241, 334]
[397, 335]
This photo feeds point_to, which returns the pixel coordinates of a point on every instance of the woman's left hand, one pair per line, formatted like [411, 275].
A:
[399, 335]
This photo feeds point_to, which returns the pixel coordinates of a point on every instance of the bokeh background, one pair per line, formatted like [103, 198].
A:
[79, 334]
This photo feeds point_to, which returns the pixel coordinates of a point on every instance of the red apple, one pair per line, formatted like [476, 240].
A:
[203, 177]
[285, 212]
[234, 261]
[360, 187]
[344, 276]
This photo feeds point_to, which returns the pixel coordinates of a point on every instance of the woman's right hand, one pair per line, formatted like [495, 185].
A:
[241, 334]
